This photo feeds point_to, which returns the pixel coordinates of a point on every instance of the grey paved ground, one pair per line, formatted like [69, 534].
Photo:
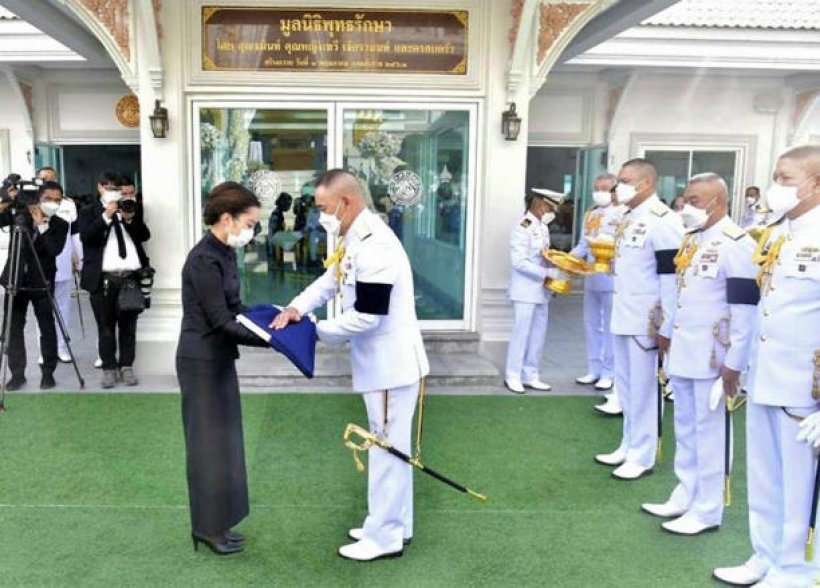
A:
[564, 359]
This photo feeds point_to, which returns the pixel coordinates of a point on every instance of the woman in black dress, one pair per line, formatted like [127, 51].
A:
[205, 362]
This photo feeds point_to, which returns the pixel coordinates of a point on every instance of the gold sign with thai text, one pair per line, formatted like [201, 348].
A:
[328, 39]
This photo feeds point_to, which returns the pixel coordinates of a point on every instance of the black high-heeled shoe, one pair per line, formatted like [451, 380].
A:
[234, 536]
[226, 548]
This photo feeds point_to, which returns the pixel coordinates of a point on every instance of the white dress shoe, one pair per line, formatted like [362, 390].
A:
[615, 458]
[587, 379]
[538, 385]
[687, 525]
[64, 356]
[612, 406]
[746, 575]
[358, 534]
[40, 360]
[666, 510]
[515, 387]
[631, 471]
[98, 363]
[365, 550]
[604, 383]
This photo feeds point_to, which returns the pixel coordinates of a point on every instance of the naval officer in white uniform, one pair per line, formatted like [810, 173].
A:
[603, 219]
[644, 270]
[372, 274]
[784, 404]
[527, 291]
[712, 328]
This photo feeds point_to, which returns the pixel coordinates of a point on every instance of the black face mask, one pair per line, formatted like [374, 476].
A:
[128, 205]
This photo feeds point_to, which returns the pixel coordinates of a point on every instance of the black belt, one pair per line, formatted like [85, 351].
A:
[120, 274]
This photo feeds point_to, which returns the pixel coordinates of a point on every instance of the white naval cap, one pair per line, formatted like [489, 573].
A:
[554, 198]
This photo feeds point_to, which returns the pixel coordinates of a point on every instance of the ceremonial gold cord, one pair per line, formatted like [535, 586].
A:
[815, 387]
[767, 258]
[420, 417]
[336, 259]
[684, 256]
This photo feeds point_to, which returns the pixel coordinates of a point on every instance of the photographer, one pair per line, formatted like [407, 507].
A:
[48, 232]
[112, 237]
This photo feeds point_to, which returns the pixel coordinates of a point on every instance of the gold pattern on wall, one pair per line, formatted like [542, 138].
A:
[128, 111]
[515, 9]
[113, 15]
[555, 19]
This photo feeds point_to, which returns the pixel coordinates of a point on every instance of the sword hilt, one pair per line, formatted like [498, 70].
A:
[727, 491]
[810, 545]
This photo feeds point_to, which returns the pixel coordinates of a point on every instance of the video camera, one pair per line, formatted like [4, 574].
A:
[20, 193]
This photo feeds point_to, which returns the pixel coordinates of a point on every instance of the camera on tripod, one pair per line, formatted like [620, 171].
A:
[21, 194]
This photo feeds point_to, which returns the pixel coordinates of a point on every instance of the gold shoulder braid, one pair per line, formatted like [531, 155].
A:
[592, 222]
[765, 256]
[684, 257]
[336, 259]
[620, 232]
[815, 388]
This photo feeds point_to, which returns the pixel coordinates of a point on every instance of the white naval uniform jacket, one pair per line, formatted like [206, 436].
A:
[784, 369]
[378, 308]
[717, 291]
[529, 268]
[644, 268]
[73, 247]
[598, 221]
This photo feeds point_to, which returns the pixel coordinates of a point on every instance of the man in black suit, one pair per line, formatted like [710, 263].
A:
[48, 232]
[113, 253]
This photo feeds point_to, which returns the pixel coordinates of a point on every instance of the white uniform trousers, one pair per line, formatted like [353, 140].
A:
[62, 298]
[527, 341]
[597, 317]
[636, 384]
[390, 481]
[781, 474]
[700, 441]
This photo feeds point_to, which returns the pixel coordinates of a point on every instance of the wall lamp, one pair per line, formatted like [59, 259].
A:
[510, 123]
[159, 121]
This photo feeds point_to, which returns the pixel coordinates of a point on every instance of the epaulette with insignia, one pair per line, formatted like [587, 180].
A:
[659, 209]
[733, 231]
[526, 223]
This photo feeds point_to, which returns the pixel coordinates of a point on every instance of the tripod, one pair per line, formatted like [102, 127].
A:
[21, 237]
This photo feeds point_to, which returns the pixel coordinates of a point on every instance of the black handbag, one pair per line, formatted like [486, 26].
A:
[129, 298]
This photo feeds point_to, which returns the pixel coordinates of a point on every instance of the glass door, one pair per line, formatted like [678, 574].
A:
[591, 164]
[278, 151]
[46, 154]
[416, 165]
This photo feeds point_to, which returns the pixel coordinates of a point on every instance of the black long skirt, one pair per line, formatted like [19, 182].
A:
[214, 446]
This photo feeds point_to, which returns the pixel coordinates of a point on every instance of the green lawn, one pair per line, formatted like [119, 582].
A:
[92, 493]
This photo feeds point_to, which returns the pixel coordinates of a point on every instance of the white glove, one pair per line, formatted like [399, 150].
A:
[554, 274]
[717, 395]
[810, 430]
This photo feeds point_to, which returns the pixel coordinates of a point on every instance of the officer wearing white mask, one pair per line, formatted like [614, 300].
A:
[712, 329]
[603, 218]
[754, 213]
[528, 293]
[371, 272]
[783, 412]
[644, 270]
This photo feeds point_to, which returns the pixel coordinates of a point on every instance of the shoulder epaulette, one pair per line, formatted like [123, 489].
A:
[733, 231]
[776, 222]
[526, 223]
[659, 209]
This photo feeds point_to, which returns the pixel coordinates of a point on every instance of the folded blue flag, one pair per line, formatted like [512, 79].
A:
[297, 341]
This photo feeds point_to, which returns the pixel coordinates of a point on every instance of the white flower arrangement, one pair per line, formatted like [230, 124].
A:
[209, 137]
[379, 145]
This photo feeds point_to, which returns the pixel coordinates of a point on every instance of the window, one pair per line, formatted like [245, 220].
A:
[675, 167]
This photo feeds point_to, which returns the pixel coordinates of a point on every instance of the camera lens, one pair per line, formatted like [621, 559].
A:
[128, 205]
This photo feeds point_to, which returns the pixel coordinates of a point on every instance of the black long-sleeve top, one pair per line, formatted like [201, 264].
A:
[47, 246]
[210, 303]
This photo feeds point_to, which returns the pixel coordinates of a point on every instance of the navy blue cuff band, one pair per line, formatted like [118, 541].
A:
[373, 298]
[665, 261]
[742, 291]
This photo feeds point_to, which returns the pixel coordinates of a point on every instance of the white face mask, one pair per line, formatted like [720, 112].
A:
[330, 223]
[602, 198]
[110, 196]
[50, 208]
[781, 199]
[693, 218]
[625, 193]
[547, 217]
[750, 200]
[243, 238]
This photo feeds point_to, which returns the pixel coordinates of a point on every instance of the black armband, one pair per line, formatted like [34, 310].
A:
[665, 261]
[742, 291]
[373, 298]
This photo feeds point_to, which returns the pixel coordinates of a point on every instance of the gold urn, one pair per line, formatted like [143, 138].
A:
[567, 264]
[603, 250]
